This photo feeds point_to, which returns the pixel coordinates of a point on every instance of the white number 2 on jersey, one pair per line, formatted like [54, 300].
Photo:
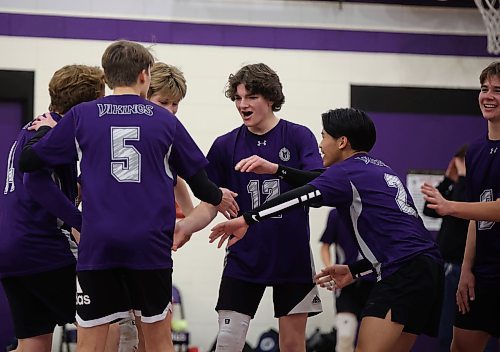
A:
[401, 195]
[126, 160]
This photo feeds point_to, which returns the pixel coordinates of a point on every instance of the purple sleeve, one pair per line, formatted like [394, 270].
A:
[186, 157]
[334, 186]
[330, 234]
[44, 191]
[58, 147]
[309, 152]
[215, 166]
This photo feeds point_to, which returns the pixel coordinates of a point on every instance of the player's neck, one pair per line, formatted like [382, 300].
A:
[494, 129]
[126, 90]
[346, 154]
[265, 125]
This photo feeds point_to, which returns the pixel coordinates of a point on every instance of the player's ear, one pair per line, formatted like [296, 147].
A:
[343, 142]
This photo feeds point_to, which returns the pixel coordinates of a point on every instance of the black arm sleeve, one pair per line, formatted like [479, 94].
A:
[304, 195]
[444, 188]
[204, 189]
[296, 177]
[29, 161]
[360, 268]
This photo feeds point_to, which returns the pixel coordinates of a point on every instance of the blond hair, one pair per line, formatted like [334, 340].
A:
[168, 81]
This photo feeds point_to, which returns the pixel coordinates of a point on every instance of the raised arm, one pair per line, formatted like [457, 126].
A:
[305, 195]
[197, 220]
[480, 211]
[294, 177]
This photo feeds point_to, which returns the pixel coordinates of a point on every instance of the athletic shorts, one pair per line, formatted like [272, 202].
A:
[413, 294]
[352, 298]
[291, 298]
[484, 312]
[107, 296]
[41, 301]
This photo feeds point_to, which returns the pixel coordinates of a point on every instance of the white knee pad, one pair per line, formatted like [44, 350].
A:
[129, 339]
[347, 324]
[233, 327]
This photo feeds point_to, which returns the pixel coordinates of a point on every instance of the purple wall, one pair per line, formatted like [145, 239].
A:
[419, 141]
[10, 124]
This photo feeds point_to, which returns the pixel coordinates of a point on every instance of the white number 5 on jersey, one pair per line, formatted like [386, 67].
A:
[126, 160]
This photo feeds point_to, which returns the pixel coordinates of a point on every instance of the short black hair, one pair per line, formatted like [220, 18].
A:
[354, 124]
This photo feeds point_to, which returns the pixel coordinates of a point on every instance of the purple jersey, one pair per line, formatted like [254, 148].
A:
[483, 185]
[339, 233]
[130, 152]
[372, 199]
[274, 251]
[31, 239]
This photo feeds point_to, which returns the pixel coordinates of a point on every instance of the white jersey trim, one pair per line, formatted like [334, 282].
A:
[168, 171]
[355, 210]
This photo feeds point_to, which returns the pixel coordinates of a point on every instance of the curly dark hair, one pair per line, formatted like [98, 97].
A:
[258, 79]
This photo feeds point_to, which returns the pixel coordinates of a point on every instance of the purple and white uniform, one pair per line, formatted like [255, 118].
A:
[31, 238]
[263, 256]
[130, 152]
[337, 232]
[372, 199]
[483, 185]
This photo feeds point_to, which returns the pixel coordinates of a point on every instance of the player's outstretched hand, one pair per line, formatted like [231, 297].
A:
[42, 120]
[257, 165]
[465, 291]
[228, 205]
[334, 276]
[435, 199]
[180, 236]
[234, 229]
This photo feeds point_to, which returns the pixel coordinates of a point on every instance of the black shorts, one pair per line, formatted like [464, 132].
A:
[413, 294]
[352, 298]
[291, 298]
[484, 312]
[41, 301]
[106, 296]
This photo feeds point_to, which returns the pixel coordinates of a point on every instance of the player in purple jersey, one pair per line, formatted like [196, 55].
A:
[479, 287]
[37, 268]
[168, 87]
[391, 237]
[130, 152]
[254, 264]
[351, 299]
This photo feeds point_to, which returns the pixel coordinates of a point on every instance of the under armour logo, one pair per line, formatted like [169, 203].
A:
[493, 150]
[259, 143]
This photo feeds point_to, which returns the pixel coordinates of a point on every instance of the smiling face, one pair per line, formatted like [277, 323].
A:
[165, 102]
[331, 148]
[489, 98]
[255, 110]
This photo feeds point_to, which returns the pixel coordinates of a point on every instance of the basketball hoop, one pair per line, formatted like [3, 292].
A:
[490, 10]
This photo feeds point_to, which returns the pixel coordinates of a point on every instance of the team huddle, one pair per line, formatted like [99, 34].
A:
[263, 176]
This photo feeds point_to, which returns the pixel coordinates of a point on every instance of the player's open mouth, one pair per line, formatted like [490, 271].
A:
[246, 113]
[489, 106]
